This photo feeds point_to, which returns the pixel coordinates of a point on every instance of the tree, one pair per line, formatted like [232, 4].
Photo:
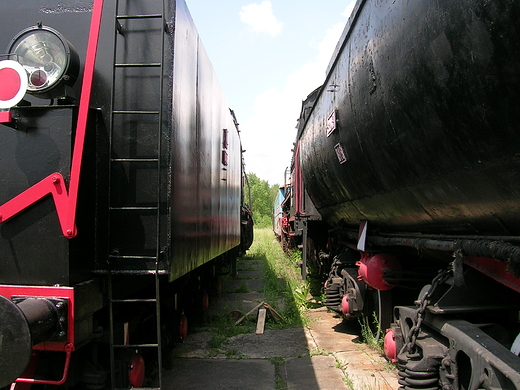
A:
[262, 197]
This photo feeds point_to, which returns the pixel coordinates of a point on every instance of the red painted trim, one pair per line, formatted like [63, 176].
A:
[66, 366]
[10, 291]
[6, 117]
[298, 183]
[52, 185]
[28, 373]
[495, 269]
[84, 104]
[66, 203]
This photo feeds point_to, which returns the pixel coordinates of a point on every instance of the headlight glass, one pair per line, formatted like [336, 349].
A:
[48, 58]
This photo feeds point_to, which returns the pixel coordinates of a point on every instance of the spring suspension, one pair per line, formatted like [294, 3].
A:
[335, 287]
[418, 372]
[333, 294]
[412, 379]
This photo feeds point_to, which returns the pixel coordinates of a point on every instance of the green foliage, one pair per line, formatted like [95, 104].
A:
[242, 289]
[370, 335]
[222, 329]
[262, 197]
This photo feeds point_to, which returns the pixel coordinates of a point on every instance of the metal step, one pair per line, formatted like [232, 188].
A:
[139, 65]
[144, 112]
[146, 16]
[135, 346]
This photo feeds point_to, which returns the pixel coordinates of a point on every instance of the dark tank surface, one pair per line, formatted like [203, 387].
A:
[426, 129]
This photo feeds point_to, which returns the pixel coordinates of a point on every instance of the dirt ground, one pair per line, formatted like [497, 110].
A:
[324, 355]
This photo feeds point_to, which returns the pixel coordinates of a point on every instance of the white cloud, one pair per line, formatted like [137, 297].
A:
[260, 18]
[268, 134]
[349, 9]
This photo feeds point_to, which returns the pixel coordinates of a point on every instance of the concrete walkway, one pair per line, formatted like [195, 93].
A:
[325, 356]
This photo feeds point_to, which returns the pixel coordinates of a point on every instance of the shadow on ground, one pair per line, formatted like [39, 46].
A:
[221, 355]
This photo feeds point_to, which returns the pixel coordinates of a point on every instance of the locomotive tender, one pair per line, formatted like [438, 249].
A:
[405, 186]
[121, 188]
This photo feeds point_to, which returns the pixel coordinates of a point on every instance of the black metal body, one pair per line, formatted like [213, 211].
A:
[409, 152]
[160, 191]
[425, 96]
[39, 146]
[200, 197]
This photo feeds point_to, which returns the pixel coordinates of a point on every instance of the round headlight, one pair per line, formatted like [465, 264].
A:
[50, 61]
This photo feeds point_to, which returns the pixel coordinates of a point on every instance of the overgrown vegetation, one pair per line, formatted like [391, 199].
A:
[262, 196]
[223, 328]
[278, 363]
[283, 290]
[369, 332]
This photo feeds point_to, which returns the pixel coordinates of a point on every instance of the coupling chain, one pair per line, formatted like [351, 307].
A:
[442, 276]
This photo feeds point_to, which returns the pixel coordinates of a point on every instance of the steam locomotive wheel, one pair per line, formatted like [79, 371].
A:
[378, 311]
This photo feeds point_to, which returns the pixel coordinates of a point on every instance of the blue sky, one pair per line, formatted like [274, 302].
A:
[268, 56]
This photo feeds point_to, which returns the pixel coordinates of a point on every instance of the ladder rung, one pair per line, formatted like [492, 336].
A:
[136, 160]
[147, 16]
[133, 272]
[143, 300]
[139, 65]
[136, 345]
[135, 208]
[135, 112]
[141, 388]
[133, 257]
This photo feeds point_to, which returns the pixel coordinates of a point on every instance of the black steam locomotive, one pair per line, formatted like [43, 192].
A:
[121, 188]
[405, 189]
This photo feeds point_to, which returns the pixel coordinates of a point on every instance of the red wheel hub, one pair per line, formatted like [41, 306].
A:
[390, 346]
[183, 328]
[137, 370]
[371, 269]
[345, 307]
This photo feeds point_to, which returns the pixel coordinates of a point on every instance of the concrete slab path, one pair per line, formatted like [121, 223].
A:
[324, 356]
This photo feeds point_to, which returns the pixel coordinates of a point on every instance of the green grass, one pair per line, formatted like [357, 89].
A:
[369, 334]
[242, 289]
[222, 328]
[278, 363]
[283, 290]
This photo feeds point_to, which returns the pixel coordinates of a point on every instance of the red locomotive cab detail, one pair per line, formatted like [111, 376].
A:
[372, 269]
[39, 319]
[65, 200]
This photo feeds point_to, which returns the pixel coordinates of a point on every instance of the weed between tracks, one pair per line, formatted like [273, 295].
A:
[283, 291]
[370, 335]
[222, 329]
